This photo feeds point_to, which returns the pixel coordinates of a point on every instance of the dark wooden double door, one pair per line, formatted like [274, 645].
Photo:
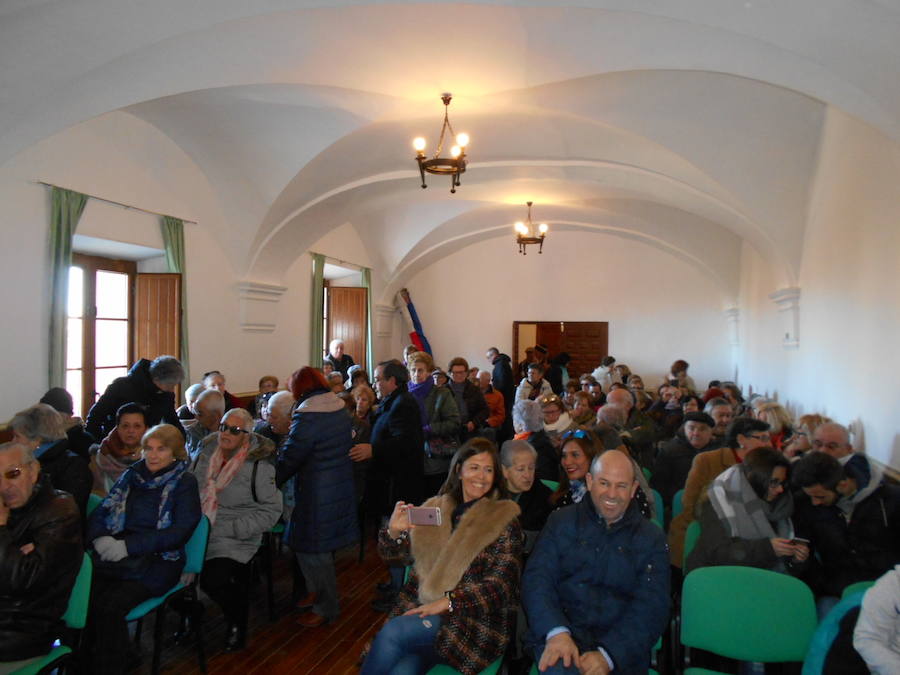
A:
[585, 341]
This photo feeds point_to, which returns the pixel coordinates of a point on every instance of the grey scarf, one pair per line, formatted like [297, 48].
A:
[744, 514]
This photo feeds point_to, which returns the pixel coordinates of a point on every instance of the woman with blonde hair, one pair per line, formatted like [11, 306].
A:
[136, 538]
[779, 421]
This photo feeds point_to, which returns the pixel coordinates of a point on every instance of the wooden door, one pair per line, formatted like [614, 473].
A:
[347, 321]
[586, 341]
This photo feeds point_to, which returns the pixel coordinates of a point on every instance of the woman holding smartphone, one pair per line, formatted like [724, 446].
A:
[746, 518]
[455, 607]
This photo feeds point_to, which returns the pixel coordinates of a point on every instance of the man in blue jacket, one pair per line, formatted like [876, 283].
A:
[596, 587]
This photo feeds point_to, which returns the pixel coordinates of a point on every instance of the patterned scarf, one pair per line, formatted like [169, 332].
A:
[110, 461]
[420, 393]
[577, 489]
[117, 499]
[744, 514]
[218, 476]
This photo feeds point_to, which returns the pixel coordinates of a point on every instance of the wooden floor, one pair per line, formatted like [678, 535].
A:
[282, 646]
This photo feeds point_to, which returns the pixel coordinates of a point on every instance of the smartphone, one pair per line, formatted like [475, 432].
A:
[800, 540]
[424, 515]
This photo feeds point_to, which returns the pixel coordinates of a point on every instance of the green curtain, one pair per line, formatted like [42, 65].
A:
[66, 208]
[317, 310]
[366, 276]
[173, 240]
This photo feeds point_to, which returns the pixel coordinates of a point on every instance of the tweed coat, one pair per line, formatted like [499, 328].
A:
[480, 562]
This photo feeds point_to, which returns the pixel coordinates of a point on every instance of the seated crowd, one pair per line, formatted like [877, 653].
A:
[528, 514]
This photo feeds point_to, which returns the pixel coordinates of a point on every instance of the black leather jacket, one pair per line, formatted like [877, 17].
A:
[35, 587]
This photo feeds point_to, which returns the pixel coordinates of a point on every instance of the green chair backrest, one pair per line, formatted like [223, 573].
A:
[648, 474]
[857, 587]
[678, 503]
[76, 612]
[747, 613]
[195, 549]
[690, 539]
[660, 517]
[552, 484]
[827, 631]
[93, 502]
[447, 670]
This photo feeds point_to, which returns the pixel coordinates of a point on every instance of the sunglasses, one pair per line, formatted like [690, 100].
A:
[577, 433]
[234, 431]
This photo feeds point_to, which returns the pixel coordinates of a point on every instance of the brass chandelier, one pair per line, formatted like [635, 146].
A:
[527, 233]
[452, 166]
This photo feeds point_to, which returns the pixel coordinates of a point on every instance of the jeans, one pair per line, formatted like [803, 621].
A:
[404, 646]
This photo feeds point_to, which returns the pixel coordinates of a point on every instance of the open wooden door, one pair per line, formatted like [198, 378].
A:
[157, 317]
[346, 314]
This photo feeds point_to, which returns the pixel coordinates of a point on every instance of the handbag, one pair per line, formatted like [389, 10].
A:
[441, 447]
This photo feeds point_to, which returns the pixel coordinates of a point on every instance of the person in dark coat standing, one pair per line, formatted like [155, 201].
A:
[150, 383]
[40, 554]
[317, 452]
[395, 447]
[502, 380]
[41, 428]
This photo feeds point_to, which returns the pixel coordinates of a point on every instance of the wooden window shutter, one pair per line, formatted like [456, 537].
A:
[157, 315]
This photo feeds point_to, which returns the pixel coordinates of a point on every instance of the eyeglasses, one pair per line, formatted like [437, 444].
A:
[234, 431]
[575, 433]
[775, 483]
[760, 437]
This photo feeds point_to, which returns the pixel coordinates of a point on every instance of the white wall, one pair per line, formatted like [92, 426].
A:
[846, 365]
[659, 309]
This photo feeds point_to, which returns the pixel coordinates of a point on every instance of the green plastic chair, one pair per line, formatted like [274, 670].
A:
[677, 503]
[690, 540]
[74, 618]
[827, 631]
[93, 502]
[552, 484]
[748, 614]
[447, 670]
[859, 586]
[648, 474]
[195, 554]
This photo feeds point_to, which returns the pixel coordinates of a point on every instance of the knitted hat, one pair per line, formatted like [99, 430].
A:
[59, 399]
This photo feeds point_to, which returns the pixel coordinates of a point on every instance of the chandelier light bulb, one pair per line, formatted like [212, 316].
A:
[455, 151]
[542, 228]
[520, 228]
[419, 144]
[462, 139]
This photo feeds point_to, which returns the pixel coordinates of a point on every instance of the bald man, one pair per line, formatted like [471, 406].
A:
[596, 587]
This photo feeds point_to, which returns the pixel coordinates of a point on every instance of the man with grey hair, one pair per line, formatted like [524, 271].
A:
[209, 408]
[596, 587]
[150, 383]
[833, 439]
[722, 413]
[277, 423]
[340, 361]
[641, 428]
[40, 554]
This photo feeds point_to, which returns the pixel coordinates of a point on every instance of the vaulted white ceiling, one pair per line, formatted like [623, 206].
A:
[691, 126]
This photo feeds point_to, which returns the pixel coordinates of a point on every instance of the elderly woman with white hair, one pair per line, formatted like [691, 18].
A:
[518, 460]
[528, 423]
[40, 428]
[236, 475]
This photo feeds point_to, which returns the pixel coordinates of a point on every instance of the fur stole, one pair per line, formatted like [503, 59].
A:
[443, 555]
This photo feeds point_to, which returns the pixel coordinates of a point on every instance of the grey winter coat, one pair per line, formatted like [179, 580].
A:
[241, 520]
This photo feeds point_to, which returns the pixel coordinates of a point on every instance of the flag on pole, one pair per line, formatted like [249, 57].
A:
[413, 325]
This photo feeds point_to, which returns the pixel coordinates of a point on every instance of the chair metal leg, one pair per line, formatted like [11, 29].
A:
[137, 631]
[158, 637]
[197, 611]
[270, 586]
